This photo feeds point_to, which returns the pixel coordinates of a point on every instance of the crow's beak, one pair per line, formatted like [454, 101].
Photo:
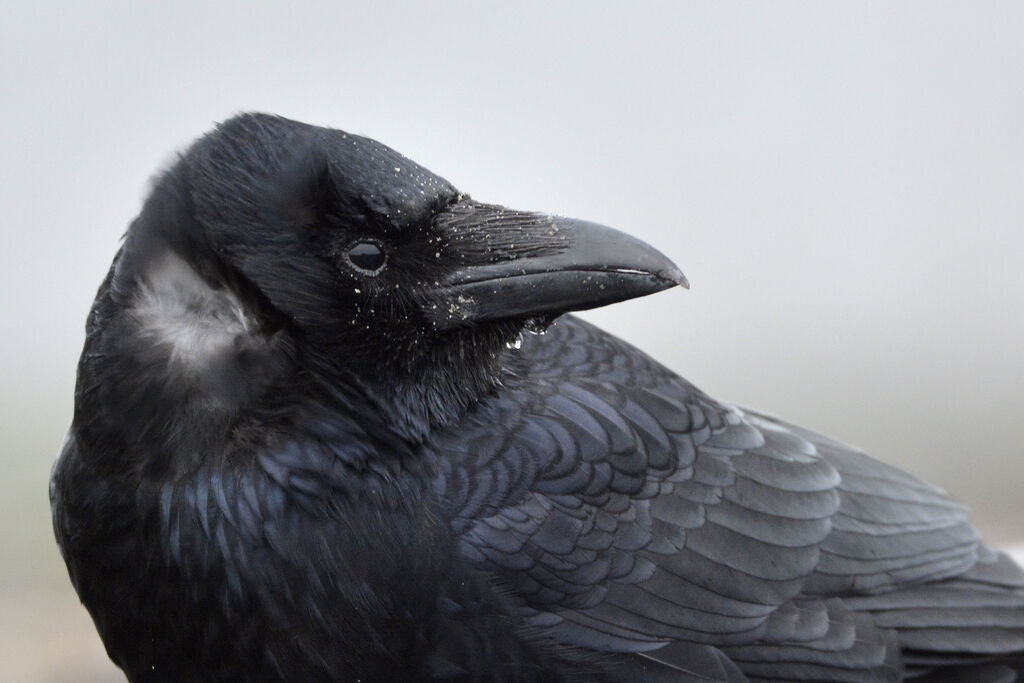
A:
[542, 266]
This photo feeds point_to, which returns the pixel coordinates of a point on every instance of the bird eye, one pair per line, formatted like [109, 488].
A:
[367, 256]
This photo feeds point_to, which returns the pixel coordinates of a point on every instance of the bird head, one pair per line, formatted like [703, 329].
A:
[374, 270]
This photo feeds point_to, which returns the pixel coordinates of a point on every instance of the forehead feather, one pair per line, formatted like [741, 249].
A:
[250, 156]
[387, 183]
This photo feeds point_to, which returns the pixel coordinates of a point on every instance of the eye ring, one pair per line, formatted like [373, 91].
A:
[366, 256]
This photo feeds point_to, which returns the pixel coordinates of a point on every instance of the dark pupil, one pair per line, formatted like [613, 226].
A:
[366, 255]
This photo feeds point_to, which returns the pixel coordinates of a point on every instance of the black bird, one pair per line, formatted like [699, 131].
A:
[311, 443]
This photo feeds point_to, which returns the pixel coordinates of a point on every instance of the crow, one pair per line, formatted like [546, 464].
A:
[331, 424]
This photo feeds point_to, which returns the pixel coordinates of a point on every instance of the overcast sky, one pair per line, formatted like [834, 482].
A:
[843, 183]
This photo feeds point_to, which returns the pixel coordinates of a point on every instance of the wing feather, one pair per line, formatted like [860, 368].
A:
[632, 513]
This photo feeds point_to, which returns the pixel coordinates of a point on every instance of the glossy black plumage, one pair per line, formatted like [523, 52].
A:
[290, 462]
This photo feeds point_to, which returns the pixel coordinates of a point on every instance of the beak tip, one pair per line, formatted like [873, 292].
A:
[675, 275]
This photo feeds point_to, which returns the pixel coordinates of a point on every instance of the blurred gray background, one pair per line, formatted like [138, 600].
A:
[842, 183]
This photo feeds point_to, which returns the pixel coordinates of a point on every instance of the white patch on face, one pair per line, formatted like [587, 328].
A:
[176, 307]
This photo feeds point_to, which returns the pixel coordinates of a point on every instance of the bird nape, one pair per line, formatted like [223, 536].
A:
[311, 443]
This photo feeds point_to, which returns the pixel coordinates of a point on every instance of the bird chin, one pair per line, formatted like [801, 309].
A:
[539, 324]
